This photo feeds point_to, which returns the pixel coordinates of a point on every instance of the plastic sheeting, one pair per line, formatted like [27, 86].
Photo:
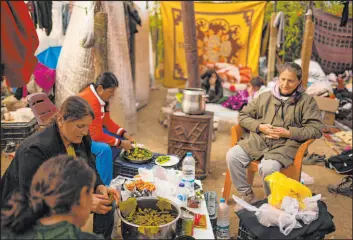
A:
[123, 110]
[50, 57]
[75, 65]
[142, 60]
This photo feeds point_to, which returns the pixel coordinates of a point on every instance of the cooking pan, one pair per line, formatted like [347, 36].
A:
[125, 155]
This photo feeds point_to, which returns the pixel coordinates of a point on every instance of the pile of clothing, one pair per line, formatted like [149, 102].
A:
[41, 13]
[344, 114]
[231, 73]
[341, 163]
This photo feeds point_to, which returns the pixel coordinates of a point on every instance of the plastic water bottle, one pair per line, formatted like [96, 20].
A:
[182, 194]
[188, 170]
[222, 230]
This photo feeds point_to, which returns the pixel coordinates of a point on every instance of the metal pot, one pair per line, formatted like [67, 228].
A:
[167, 231]
[194, 101]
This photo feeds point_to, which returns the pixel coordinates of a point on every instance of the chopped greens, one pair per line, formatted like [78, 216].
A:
[163, 159]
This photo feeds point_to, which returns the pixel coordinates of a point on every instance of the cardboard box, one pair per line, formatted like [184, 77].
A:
[328, 107]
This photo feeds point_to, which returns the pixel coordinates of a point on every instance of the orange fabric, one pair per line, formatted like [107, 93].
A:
[96, 129]
[19, 42]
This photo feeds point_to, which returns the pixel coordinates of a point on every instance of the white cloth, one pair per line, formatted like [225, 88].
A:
[279, 23]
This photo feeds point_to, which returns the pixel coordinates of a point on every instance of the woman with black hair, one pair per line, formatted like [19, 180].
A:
[58, 203]
[104, 131]
[66, 134]
[212, 84]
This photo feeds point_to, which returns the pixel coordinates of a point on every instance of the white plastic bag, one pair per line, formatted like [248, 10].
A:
[311, 211]
[290, 205]
[306, 179]
[268, 216]
[117, 182]
[87, 31]
[319, 87]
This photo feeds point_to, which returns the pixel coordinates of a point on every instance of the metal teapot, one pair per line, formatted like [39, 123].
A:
[194, 101]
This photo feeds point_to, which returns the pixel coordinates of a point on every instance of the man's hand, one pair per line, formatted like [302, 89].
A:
[100, 204]
[264, 128]
[278, 132]
[126, 144]
[128, 137]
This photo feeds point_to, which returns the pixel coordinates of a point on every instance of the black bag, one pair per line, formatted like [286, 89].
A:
[342, 163]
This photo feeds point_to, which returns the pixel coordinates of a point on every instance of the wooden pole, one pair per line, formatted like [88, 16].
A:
[100, 43]
[189, 26]
[307, 46]
[272, 50]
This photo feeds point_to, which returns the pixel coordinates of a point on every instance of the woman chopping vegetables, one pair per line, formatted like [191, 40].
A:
[98, 95]
[67, 134]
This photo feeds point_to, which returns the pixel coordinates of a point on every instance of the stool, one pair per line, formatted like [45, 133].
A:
[42, 107]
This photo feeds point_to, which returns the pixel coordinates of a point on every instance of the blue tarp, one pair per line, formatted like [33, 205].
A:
[50, 57]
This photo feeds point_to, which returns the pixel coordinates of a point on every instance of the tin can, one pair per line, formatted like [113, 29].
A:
[186, 224]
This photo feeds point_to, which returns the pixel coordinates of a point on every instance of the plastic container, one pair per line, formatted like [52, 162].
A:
[188, 169]
[223, 222]
[306, 179]
[182, 194]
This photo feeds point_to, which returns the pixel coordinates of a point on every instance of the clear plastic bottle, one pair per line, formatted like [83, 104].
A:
[223, 221]
[182, 194]
[188, 170]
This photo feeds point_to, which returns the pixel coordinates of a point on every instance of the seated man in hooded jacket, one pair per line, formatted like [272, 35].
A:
[279, 121]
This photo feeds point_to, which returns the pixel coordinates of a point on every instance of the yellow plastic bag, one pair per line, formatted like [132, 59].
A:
[282, 186]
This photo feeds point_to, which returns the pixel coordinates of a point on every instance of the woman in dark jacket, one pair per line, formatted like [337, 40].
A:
[58, 204]
[67, 134]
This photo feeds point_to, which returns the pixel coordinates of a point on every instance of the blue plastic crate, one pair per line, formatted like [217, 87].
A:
[124, 168]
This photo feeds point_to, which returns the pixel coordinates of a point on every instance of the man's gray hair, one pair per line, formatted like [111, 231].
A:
[290, 66]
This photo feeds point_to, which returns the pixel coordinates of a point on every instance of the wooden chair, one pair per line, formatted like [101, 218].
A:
[42, 107]
[293, 171]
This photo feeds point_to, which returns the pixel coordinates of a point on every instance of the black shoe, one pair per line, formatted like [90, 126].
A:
[344, 188]
[10, 147]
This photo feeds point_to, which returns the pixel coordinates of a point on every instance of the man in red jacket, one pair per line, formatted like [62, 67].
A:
[105, 133]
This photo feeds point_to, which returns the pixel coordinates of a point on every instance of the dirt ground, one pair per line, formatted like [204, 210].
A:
[155, 137]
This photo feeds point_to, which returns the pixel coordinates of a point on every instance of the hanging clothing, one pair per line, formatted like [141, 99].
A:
[19, 41]
[279, 24]
[42, 15]
[345, 14]
[65, 16]
[132, 19]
